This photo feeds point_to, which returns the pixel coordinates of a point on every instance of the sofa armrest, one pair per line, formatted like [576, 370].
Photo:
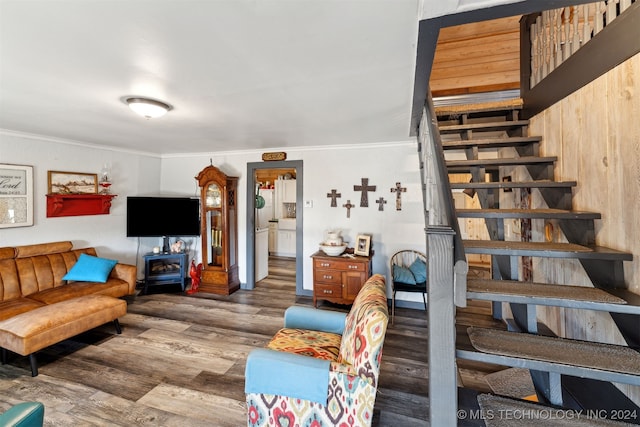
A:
[27, 414]
[296, 317]
[126, 272]
[287, 374]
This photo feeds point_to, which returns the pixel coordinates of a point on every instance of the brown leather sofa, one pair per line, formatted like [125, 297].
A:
[32, 287]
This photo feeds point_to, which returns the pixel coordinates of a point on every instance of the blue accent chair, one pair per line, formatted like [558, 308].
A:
[27, 414]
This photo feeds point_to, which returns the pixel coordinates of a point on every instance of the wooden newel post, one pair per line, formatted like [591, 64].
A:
[442, 334]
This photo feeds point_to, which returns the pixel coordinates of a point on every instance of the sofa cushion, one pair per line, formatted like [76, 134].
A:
[403, 275]
[320, 345]
[113, 288]
[17, 306]
[419, 270]
[90, 269]
[42, 249]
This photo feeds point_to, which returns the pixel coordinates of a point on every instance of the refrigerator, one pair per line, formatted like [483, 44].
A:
[266, 213]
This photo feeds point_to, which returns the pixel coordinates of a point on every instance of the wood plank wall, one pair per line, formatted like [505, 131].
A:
[478, 57]
[596, 134]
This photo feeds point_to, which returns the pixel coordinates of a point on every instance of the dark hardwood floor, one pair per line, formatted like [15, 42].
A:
[180, 361]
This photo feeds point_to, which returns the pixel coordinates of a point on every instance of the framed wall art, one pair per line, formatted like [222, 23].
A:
[363, 245]
[72, 183]
[16, 196]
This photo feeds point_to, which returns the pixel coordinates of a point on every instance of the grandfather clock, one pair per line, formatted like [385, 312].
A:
[219, 231]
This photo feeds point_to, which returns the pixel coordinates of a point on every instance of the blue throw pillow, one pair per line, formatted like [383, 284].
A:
[403, 275]
[90, 269]
[419, 270]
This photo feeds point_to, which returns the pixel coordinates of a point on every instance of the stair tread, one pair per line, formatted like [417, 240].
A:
[581, 297]
[491, 142]
[544, 249]
[586, 354]
[489, 126]
[543, 183]
[503, 161]
[526, 213]
[497, 106]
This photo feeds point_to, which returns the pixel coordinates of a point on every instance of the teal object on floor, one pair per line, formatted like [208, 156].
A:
[27, 414]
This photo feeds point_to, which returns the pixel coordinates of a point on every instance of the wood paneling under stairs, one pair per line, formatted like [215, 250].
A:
[180, 361]
[477, 57]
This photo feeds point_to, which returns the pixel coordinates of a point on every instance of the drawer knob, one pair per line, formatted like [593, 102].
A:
[326, 291]
[353, 267]
[324, 264]
[326, 276]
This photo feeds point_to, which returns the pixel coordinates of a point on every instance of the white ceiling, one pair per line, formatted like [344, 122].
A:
[240, 74]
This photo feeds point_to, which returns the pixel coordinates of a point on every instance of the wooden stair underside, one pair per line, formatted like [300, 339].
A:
[521, 184]
[466, 165]
[487, 143]
[526, 213]
[599, 361]
[544, 249]
[483, 127]
[581, 297]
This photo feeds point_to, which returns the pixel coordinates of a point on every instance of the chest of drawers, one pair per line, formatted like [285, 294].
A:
[338, 279]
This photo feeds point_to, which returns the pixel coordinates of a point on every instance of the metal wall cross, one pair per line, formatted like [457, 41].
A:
[398, 189]
[334, 195]
[365, 188]
[381, 202]
[348, 205]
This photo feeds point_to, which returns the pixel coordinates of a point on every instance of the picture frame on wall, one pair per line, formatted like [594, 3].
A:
[72, 182]
[363, 245]
[16, 195]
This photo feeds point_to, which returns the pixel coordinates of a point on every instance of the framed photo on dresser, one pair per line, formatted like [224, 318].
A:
[363, 245]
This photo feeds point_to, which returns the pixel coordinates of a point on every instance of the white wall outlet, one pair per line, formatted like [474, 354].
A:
[308, 203]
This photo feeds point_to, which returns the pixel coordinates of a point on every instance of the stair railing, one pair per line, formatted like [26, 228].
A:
[446, 270]
[557, 34]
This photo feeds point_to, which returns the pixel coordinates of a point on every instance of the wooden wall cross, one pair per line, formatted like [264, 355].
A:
[348, 205]
[334, 195]
[381, 202]
[365, 188]
[398, 189]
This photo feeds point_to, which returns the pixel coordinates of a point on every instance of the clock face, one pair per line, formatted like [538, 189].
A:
[213, 196]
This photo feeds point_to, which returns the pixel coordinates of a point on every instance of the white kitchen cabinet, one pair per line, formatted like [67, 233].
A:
[289, 191]
[286, 244]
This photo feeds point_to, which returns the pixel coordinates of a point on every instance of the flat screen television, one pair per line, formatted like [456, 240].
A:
[163, 216]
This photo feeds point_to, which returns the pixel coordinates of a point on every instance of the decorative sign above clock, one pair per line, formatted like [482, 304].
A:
[275, 156]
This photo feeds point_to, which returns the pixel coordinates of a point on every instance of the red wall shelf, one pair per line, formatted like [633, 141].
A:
[78, 204]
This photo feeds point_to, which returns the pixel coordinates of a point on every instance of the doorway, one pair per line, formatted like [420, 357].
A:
[252, 169]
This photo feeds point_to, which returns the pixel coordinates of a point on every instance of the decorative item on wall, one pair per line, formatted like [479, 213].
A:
[105, 179]
[334, 196]
[274, 156]
[398, 189]
[74, 194]
[16, 196]
[348, 205]
[365, 188]
[72, 183]
[363, 245]
[381, 202]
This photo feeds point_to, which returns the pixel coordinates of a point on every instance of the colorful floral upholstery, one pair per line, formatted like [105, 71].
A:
[321, 345]
[352, 373]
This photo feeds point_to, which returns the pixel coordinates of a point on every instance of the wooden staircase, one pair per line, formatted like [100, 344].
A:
[482, 141]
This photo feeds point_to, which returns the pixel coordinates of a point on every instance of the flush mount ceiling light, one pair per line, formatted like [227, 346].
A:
[149, 108]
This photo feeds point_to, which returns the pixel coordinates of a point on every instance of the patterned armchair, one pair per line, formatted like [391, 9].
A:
[322, 368]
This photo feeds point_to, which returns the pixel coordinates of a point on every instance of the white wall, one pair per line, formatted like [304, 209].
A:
[133, 173]
[326, 168]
